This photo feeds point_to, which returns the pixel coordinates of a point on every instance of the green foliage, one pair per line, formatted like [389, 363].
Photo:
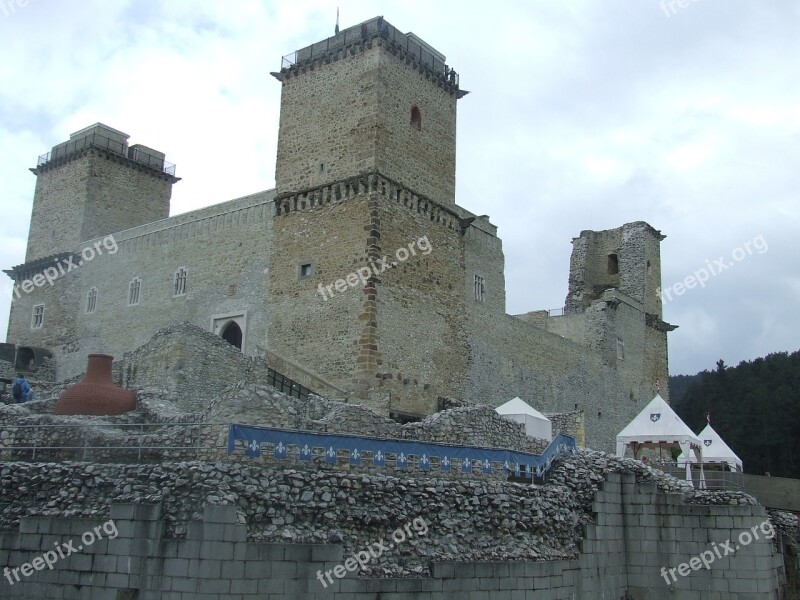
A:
[755, 407]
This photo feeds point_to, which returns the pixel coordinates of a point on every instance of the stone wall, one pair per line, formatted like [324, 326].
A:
[239, 532]
[571, 423]
[637, 271]
[226, 251]
[189, 365]
[513, 358]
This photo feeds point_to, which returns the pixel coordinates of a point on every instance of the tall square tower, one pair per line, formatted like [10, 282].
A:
[365, 179]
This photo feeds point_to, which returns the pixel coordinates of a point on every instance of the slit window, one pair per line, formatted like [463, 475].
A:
[416, 118]
[91, 300]
[305, 270]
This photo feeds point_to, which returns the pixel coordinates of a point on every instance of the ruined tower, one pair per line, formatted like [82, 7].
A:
[366, 170]
[615, 281]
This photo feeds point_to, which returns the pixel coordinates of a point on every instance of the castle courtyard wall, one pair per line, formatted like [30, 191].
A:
[225, 249]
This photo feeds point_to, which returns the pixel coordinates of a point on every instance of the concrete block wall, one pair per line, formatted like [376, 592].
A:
[637, 532]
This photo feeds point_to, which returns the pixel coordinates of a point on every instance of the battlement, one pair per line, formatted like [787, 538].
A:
[366, 184]
[411, 46]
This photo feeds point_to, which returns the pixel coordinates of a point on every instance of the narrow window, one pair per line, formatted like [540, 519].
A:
[480, 288]
[91, 300]
[613, 264]
[180, 281]
[416, 118]
[620, 349]
[306, 270]
[38, 317]
[133, 291]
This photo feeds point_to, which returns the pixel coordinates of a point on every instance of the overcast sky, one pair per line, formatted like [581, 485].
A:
[582, 115]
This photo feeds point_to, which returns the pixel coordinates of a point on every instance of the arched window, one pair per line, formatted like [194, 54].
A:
[91, 300]
[180, 281]
[416, 118]
[233, 334]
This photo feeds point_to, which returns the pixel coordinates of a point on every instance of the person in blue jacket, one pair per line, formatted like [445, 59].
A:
[21, 390]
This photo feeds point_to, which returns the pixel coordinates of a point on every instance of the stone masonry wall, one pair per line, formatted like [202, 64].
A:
[637, 247]
[332, 239]
[255, 533]
[513, 358]
[58, 209]
[420, 306]
[91, 194]
[422, 159]
[226, 251]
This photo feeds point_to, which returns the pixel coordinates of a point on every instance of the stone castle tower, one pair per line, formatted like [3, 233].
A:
[365, 167]
[92, 185]
[358, 276]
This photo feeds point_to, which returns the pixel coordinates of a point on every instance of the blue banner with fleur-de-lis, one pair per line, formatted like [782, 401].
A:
[331, 455]
[253, 448]
[305, 452]
[406, 453]
[280, 450]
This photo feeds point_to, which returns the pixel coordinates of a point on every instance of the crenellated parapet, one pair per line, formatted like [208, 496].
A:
[360, 38]
[367, 184]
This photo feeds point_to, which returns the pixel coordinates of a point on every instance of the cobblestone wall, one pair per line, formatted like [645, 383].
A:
[237, 532]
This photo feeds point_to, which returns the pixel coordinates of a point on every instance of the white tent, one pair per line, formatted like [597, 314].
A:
[715, 451]
[656, 426]
[536, 424]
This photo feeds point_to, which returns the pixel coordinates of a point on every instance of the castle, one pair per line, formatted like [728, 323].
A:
[358, 276]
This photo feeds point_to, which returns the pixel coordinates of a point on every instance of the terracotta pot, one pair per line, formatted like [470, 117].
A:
[96, 393]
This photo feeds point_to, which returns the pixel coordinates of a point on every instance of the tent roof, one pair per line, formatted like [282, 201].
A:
[518, 406]
[715, 450]
[657, 423]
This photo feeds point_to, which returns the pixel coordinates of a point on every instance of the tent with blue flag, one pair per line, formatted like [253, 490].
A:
[715, 451]
[658, 426]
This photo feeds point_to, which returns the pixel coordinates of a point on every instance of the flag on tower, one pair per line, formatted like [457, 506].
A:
[336, 29]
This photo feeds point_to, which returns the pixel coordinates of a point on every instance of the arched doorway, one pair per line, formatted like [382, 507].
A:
[232, 334]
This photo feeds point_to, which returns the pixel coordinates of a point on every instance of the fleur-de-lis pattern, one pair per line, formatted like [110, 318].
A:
[483, 458]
